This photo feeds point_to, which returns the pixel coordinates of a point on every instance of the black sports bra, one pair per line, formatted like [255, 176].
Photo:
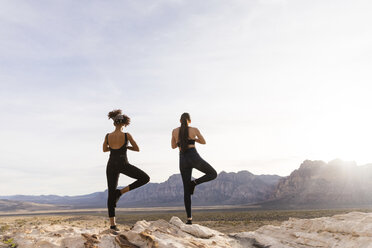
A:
[190, 141]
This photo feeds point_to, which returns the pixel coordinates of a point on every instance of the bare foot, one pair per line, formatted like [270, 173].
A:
[124, 190]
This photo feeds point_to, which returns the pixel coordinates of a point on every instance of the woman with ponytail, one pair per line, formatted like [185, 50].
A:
[184, 137]
[117, 143]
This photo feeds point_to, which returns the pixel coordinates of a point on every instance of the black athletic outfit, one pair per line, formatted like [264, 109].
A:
[190, 159]
[118, 163]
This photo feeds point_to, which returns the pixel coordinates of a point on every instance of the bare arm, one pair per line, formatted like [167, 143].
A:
[134, 146]
[200, 139]
[173, 142]
[106, 147]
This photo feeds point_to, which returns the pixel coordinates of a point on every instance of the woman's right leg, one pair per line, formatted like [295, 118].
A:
[134, 172]
[201, 165]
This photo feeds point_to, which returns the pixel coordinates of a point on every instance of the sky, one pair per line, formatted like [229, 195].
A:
[269, 83]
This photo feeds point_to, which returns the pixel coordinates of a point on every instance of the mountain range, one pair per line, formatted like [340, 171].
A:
[315, 184]
[228, 188]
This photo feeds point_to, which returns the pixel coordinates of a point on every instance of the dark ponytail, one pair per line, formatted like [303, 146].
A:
[183, 136]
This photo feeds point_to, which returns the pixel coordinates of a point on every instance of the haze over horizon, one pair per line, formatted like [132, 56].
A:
[270, 83]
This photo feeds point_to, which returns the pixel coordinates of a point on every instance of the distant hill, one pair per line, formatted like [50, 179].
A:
[97, 199]
[319, 184]
[8, 205]
[228, 188]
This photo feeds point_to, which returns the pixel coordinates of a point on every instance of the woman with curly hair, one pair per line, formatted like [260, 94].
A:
[184, 137]
[117, 143]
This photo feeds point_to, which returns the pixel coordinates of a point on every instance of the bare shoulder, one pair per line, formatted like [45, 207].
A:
[175, 130]
[194, 129]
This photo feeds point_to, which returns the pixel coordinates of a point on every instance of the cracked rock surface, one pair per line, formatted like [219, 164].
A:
[347, 230]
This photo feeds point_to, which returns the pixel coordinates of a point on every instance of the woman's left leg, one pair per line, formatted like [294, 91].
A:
[186, 180]
[112, 182]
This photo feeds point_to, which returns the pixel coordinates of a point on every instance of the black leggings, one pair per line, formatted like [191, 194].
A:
[115, 166]
[189, 160]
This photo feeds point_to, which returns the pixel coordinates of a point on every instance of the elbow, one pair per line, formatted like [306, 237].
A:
[173, 144]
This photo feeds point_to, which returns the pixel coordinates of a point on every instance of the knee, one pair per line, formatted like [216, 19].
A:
[214, 174]
[146, 179]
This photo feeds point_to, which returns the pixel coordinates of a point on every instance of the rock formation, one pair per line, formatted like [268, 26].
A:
[352, 230]
[158, 233]
[320, 184]
[348, 230]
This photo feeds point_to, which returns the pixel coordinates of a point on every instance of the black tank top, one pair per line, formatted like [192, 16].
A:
[121, 152]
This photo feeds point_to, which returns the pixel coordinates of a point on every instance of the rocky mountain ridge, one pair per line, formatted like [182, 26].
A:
[315, 184]
[228, 188]
[334, 184]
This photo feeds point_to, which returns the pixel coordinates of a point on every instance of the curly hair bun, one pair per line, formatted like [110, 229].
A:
[118, 117]
[114, 113]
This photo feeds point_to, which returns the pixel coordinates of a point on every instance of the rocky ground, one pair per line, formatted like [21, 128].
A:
[346, 230]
